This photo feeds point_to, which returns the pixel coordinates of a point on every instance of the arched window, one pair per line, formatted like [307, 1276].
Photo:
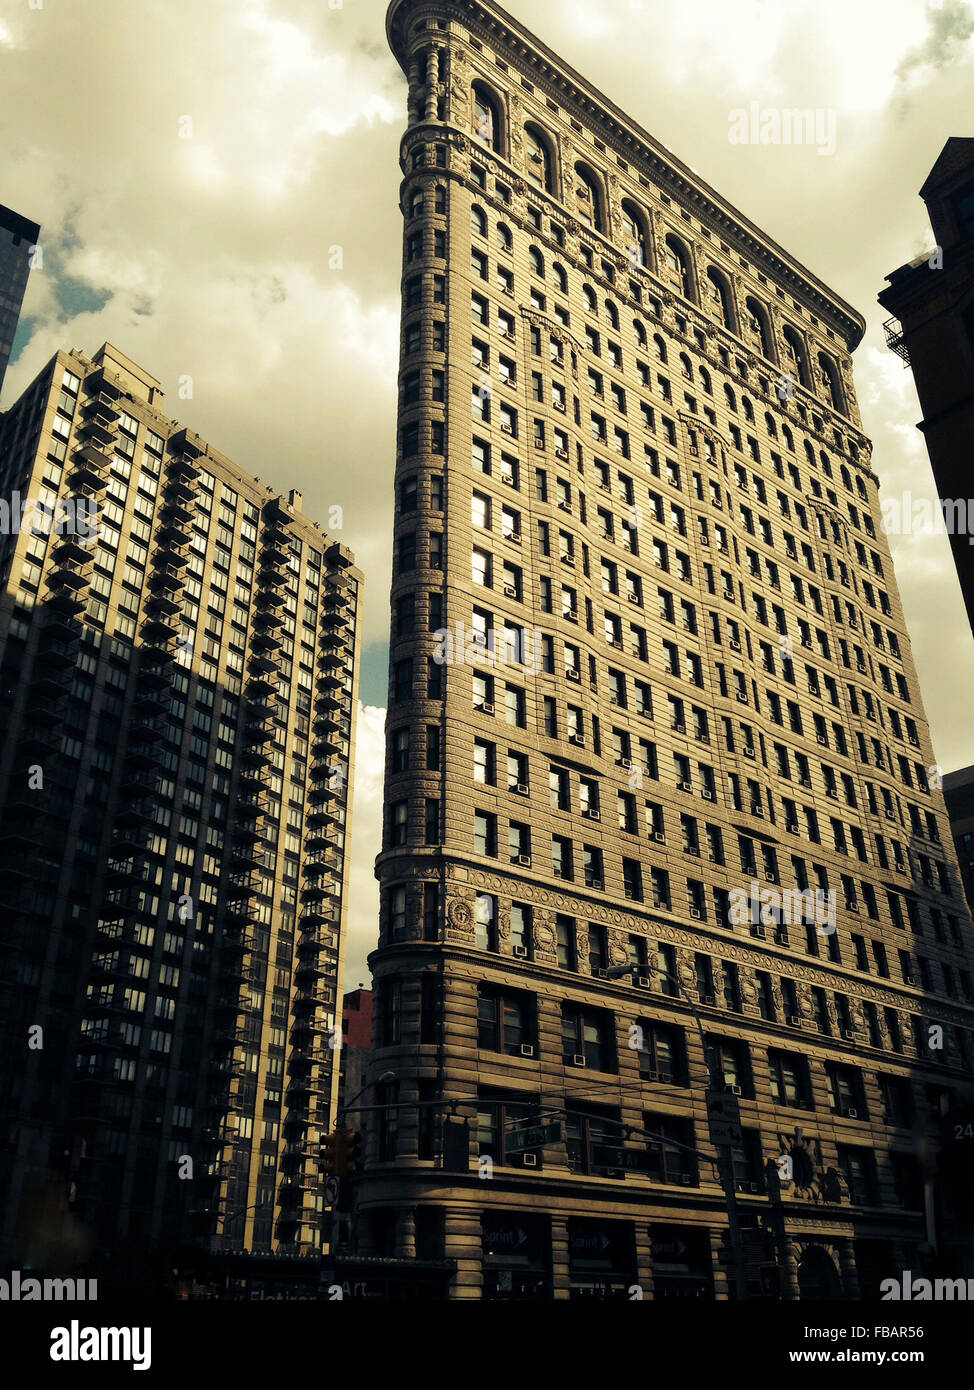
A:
[731, 398]
[478, 221]
[416, 201]
[795, 353]
[588, 192]
[846, 478]
[640, 332]
[747, 408]
[810, 453]
[635, 233]
[561, 277]
[854, 453]
[720, 298]
[686, 367]
[539, 161]
[660, 348]
[759, 323]
[788, 437]
[612, 314]
[591, 303]
[504, 240]
[537, 262]
[488, 127]
[826, 465]
[705, 381]
[770, 425]
[678, 266]
[831, 381]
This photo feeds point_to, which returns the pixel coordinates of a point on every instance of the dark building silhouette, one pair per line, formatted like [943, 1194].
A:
[177, 698]
[18, 237]
[932, 303]
[959, 799]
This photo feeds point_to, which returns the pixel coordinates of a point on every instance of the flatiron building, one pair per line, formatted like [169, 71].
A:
[648, 658]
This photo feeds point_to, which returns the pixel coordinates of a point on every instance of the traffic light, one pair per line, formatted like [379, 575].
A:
[329, 1155]
[341, 1153]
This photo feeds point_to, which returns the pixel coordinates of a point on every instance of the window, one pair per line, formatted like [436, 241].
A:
[485, 833]
[671, 1159]
[588, 198]
[505, 1021]
[662, 1053]
[634, 228]
[487, 127]
[587, 1037]
[538, 160]
[678, 266]
[789, 1080]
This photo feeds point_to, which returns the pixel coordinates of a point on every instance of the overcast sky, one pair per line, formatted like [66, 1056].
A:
[214, 256]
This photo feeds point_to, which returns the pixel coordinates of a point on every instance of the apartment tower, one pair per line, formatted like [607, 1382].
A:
[179, 658]
[647, 652]
[18, 240]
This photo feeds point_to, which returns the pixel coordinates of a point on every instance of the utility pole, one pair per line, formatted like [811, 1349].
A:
[720, 1129]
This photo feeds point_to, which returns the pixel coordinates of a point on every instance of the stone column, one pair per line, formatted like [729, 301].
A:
[789, 1271]
[847, 1268]
[415, 91]
[405, 1245]
[560, 1272]
[432, 82]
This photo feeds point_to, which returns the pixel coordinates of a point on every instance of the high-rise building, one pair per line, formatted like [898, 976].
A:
[18, 237]
[932, 329]
[648, 663]
[179, 661]
[959, 799]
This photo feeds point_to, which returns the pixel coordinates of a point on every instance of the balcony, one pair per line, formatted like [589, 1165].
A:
[98, 430]
[177, 512]
[100, 405]
[139, 779]
[895, 340]
[70, 575]
[269, 598]
[167, 577]
[339, 557]
[69, 548]
[259, 685]
[184, 446]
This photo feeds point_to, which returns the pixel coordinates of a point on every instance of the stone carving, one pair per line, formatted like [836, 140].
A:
[459, 912]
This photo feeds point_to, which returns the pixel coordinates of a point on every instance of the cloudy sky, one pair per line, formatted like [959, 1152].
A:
[217, 184]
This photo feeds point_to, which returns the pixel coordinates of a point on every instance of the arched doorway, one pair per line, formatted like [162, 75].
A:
[818, 1277]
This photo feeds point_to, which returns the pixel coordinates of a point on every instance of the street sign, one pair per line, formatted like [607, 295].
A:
[614, 1156]
[533, 1137]
[724, 1115]
[332, 1189]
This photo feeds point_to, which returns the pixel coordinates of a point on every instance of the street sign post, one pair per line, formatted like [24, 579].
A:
[532, 1137]
[615, 1156]
[724, 1116]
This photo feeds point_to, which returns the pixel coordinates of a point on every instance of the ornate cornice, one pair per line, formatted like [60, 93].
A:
[561, 81]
